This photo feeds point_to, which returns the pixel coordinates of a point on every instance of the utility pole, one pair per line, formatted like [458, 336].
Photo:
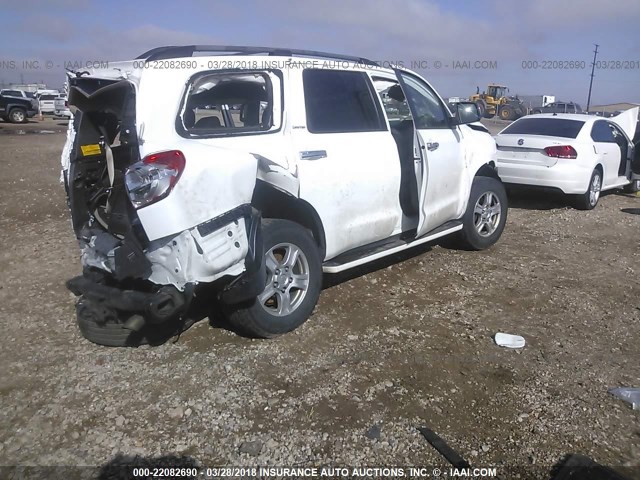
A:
[593, 67]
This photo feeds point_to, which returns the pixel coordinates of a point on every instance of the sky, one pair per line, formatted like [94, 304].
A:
[534, 47]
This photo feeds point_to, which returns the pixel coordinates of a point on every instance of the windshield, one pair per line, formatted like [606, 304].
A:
[497, 92]
[549, 127]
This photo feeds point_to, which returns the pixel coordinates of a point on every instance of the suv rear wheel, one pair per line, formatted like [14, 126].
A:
[486, 214]
[17, 115]
[294, 281]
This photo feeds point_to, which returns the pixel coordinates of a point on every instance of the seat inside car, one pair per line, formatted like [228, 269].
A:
[208, 122]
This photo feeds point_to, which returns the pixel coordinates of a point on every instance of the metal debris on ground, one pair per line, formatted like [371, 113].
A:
[443, 449]
[628, 394]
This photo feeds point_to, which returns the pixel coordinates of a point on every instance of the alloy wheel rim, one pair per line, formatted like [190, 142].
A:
[594, 190]
[487, 213]
[287, 280]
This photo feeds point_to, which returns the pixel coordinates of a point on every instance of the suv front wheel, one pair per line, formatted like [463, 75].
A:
[486, 214]
[294, 281]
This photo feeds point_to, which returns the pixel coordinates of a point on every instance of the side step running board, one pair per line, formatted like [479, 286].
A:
[360, 256]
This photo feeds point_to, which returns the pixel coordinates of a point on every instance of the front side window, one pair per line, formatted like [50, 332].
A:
[228, 103]
[428, 110]
[338, 101]
[618, 136]
[601, 132]
[393, 100]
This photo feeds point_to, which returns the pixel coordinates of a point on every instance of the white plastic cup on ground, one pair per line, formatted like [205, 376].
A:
[509, 341]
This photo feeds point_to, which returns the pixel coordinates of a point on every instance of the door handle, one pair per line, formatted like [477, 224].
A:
[431, 146]
[313, 154]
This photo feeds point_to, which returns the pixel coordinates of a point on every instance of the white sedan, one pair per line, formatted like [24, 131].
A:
[579, 154]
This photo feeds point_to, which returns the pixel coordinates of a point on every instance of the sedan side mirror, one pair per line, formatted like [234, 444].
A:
[465, 112]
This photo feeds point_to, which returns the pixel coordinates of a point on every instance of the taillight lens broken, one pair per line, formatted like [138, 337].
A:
[154, 177]
[561, 151]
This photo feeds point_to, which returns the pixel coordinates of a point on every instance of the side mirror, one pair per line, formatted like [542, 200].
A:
[465, 112]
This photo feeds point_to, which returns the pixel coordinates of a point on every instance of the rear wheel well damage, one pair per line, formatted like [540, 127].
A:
[274, 203]
[488, 170]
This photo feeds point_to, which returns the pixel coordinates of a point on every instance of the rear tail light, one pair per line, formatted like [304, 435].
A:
[561, 151]
[154, 177]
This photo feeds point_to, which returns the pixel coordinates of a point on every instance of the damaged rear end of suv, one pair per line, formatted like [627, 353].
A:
[240, 175]
[150, 221]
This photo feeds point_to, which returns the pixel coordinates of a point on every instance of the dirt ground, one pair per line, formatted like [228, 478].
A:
[391, 348]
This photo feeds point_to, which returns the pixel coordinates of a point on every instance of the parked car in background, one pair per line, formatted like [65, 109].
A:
[16, 93]
[581, 155]
[559, 107]
[17, 109]
[47, 102]
[61, 108]
[155, 216]
[21, 94]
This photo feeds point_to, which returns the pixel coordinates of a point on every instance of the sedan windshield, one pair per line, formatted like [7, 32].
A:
[548, 127]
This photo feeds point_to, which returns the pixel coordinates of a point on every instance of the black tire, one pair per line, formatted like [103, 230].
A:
[482, 108]
[589, 199]
[259, 317]
[17, 115]
[507, 113]
[100, 325]
[481, 230]
[633, 187]
[103, 326]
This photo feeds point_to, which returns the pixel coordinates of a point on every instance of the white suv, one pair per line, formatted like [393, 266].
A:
[255, 170]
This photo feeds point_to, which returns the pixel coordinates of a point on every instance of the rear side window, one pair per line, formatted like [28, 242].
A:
[549, 127]
[12, 93]
[228, 103]
[601, 132]
[337, 101]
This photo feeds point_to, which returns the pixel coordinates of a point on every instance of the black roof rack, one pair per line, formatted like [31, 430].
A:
[176, 51]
